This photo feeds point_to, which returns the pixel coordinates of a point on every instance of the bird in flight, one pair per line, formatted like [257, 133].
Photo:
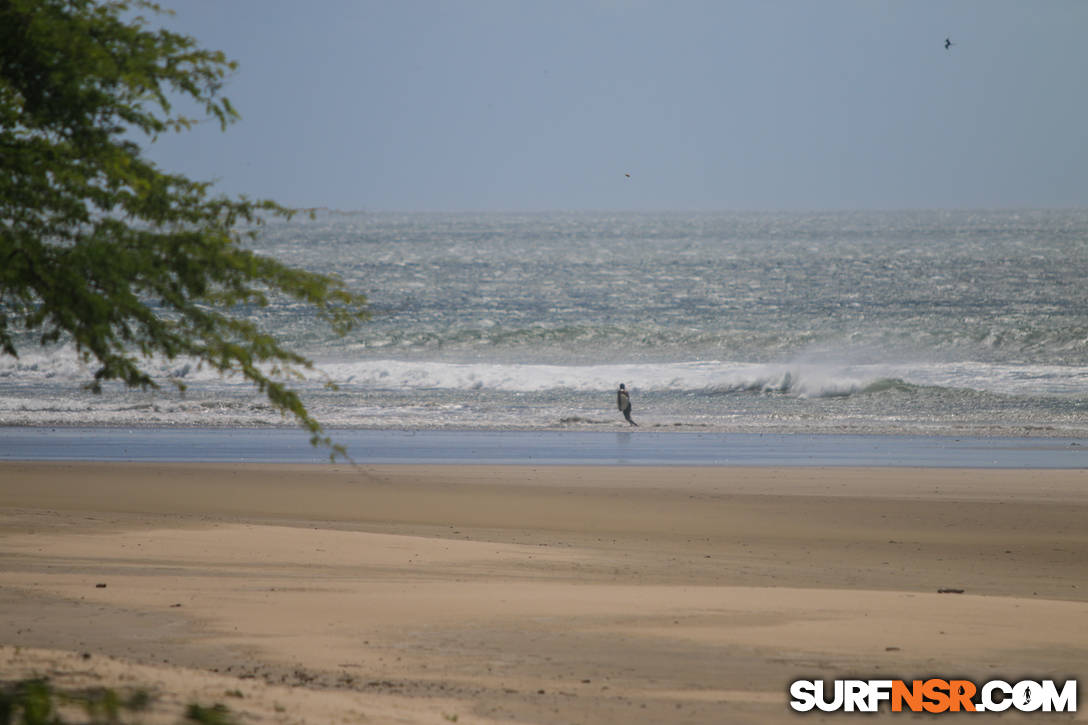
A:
[948, 43]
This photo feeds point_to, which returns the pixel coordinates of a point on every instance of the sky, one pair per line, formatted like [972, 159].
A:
[530, 105]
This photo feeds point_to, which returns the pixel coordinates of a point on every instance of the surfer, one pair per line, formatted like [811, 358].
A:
[623, 402]
[948, 43]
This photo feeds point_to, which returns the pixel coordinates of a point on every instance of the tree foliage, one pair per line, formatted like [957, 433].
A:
[99, 246]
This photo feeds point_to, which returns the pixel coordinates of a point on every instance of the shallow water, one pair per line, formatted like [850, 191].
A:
[542, 448]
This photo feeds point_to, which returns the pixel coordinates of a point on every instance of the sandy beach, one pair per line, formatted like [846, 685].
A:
[476, 594]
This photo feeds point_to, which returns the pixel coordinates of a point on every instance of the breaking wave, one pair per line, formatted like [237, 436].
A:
[61, 368]
[803, 380]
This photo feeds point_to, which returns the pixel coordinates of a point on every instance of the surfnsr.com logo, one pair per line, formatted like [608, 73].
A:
[933, 696]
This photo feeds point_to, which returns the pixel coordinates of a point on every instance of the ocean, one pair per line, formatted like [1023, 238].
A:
[889, 323]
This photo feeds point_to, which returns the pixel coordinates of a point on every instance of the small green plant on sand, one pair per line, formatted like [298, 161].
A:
[30, 700]
[36, 701]
[215, 715]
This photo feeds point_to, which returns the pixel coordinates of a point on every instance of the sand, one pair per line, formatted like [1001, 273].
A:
[476, 594]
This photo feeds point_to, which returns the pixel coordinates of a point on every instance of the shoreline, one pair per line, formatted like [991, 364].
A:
[622, 447]
[526, 594]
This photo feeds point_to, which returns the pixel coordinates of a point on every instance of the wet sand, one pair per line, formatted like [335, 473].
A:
[303, 593]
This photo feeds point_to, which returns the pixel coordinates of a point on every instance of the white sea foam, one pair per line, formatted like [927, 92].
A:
[812, 380]
[61, 367]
